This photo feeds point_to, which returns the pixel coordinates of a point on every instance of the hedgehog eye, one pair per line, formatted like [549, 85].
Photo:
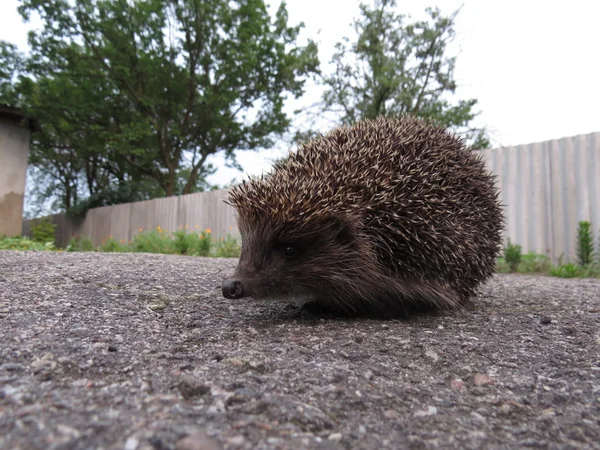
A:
[290, 251]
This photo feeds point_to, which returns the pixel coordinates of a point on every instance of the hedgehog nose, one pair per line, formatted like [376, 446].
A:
[232, 289]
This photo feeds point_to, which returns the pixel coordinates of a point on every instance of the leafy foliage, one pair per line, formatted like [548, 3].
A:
[132, 98]
[512, 255]
[44, 231]
[585, 243]
[228, 248]
[80, 244]
[571, 270]
[22, 243]
[11, 64]
[394, 67]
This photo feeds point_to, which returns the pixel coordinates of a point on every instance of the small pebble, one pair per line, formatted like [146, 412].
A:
[391, 414]
[198, 440]
[457, 385]
[431, 411]
[478, 416]
[482, 379]
[335, 437]
[433, 355]
[190, 387]
[236, 440]
[545, 320]
[131, 443]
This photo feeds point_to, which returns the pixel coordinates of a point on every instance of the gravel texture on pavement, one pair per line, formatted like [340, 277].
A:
[140, 351]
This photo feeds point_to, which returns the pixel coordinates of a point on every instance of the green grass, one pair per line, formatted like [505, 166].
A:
[571, 270]
[180, 242]
[201, 243]
[80, 244]
[530, 263]
[535, 264]
[23, 243]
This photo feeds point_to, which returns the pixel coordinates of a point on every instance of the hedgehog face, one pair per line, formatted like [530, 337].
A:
[291, 261]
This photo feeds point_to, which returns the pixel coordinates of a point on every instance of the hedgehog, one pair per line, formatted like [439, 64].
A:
[388, 216]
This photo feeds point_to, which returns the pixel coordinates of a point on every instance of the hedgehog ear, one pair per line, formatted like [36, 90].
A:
[343, 228]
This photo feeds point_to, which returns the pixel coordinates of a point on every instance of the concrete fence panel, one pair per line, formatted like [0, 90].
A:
[101, 224]
[86, 227]
[65, 229]
[206, 210]
[166, 212]
[223, 215]
[140, 218]
[120, 222]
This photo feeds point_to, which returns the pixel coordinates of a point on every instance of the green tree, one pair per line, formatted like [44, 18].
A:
[142, 93]
[11, 64]
[395, 66]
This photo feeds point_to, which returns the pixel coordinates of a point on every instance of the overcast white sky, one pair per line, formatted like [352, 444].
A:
[533, 65]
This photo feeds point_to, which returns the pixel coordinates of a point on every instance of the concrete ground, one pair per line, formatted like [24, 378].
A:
[138, 351]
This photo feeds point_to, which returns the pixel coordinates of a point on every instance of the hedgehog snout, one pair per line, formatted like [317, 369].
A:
[232, 289]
